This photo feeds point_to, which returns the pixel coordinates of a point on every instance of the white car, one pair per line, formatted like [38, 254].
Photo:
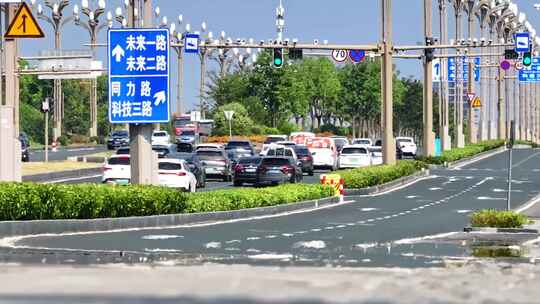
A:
[407, 146]
[160, 138]
[376, 155]
[363, 141]
[354, 156]
[324, 152]
[173, 173]
[117, 170]
[272, 139]
[209, 146]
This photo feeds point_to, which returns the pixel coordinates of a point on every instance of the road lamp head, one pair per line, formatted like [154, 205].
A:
[157, 11]
[180, 19]
[172, 29]
[203, 27]
[188, 27]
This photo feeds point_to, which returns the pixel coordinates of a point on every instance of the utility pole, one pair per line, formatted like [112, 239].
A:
[458, 99]
[501, 126]
[10, 151]
[446, 142]
[484, 94]
[143, 171]
[473, 138]
[388, 141]
[429, 137]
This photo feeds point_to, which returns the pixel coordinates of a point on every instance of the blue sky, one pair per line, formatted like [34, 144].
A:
[338, 21]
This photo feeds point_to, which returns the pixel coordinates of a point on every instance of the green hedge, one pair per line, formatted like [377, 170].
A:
[498, 219]
[25, 201]
[377, 175]
[461, 153]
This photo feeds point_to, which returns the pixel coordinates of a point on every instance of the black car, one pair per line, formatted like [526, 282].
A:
[305, 159]
[25, 147]
[278, 170]
[399, 153]
[184, 147]
[195, 166]
[240, 145]
[236, 155]
[162, 151]
[118, 139]
[245, 171]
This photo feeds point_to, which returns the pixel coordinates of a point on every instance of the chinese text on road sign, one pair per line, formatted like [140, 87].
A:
[532, 72]
[452, 69]
[139, 76]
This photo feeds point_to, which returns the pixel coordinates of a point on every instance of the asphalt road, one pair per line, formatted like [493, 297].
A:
[64, 153]
[368, 231]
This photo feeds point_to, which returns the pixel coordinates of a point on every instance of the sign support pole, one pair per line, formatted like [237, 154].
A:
[143, 159]
[46, 136]
[473, 136]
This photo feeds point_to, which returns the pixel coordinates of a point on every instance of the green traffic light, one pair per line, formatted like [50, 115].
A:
[277, 61]
[527, 59]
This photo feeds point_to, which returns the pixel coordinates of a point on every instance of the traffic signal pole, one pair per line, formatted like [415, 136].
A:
[388, 141]
[473, 136]
[429, 137]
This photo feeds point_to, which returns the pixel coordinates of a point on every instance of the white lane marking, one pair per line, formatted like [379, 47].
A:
[487, 198]
[528, 205]
[423, 238]
[366, 246]
[525, 160]
[463, 211]
[270, 256]
[368, 209]
[435, 188]
[58, 181]
[253, 238]
[233, 241]
[478, 159]
[270, 237]
[158, 250]
[505, 191]
[214, 245]
[411, 196]
[310, 245]
[161, 237]
[287, 234]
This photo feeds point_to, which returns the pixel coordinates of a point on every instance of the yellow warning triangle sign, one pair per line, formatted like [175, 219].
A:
[476, 103]
[24, 25]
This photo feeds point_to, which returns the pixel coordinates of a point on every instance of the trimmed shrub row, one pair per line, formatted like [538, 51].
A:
[377, 175]
[461, 153]
[26, 201]
[498, 219]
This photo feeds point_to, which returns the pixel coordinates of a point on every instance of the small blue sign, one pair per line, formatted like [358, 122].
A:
[452, 69]
[138, 76]
[523, 42]
[191, 43]
[530, 73]
[357, 55]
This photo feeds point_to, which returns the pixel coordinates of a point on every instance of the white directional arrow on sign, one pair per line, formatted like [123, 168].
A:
[118, 53]
[160, 97]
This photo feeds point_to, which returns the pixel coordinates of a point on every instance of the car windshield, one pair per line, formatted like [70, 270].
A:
[160, 150]
[160, 134]
[188, 133]
[238, 144]
[119, 134]
[169, 166]
[362, 142]
[375, 149]
[404, 140]
[275, 162]
[250, 161]
[301, 151]
[279, 152]
[270, 140]
[207, 155]
[378, 143]
[354, 151]
[122, 161]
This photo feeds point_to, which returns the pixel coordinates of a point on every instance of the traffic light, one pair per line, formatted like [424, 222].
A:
[527, 59]
[429, 53]
[278, 58]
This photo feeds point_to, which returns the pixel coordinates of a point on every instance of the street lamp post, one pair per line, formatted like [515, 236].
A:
[93, 27]
[482, 14]
[388, 141]
[471, 8]
[443, 87]
[57, 21]
[203, 54]
[428, 138]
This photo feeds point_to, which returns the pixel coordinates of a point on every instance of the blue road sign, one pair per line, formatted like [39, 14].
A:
[357, 55]
[523, 42]
[139, 76]
[530, 73]
[191, 43]
[452, 69]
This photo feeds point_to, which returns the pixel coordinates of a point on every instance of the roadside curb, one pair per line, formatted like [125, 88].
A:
[66, 147]
[26, 228]
[48, 177]
[500, 230]
[87, 159]
[469, 160]
[388, 186]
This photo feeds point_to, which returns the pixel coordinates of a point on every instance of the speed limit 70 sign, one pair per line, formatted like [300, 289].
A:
[340, 55]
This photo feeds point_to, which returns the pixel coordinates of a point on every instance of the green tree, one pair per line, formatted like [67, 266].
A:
[241, 123]
[293, 92]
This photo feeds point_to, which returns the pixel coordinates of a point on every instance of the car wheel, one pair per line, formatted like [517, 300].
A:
[203, 183]
[311, 173]
[237, 183]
